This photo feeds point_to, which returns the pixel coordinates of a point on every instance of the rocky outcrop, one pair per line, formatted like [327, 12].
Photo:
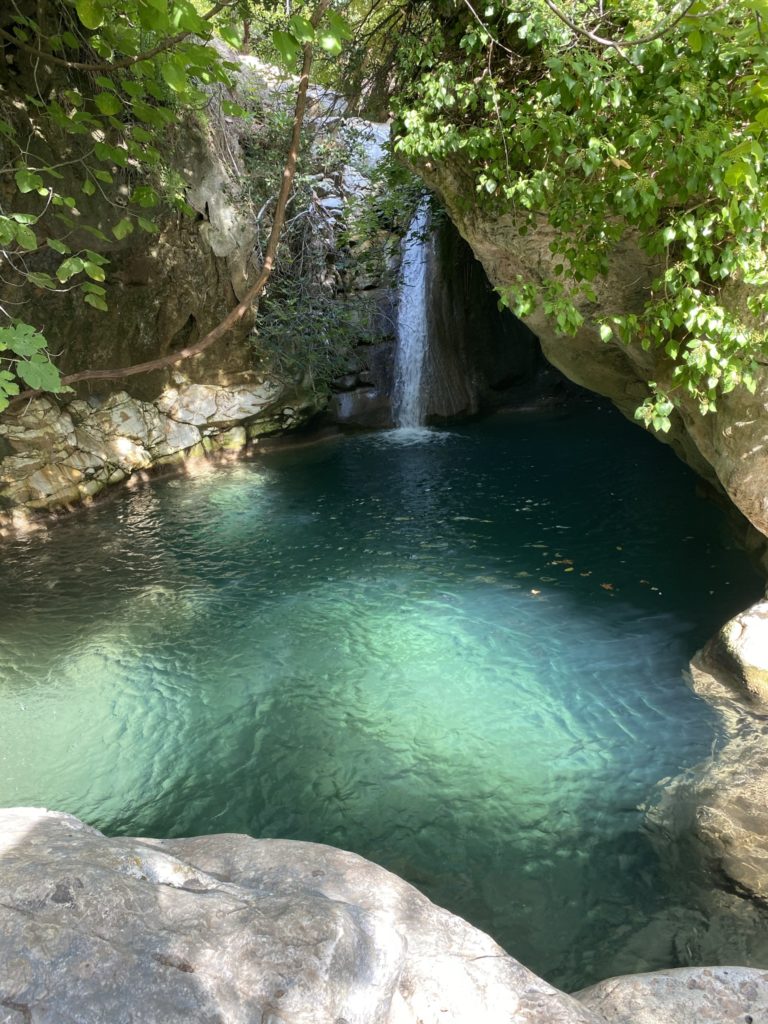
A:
[228, 929]
[729, 448]
[58, 455]
[737, 656]
[167, 289]
[718, 811]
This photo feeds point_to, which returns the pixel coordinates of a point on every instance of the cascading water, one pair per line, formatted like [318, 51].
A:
[409, 399]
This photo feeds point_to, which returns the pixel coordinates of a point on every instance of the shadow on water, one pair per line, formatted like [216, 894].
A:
[461, 659]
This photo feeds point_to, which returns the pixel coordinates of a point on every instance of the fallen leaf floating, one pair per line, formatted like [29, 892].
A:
[607, 586]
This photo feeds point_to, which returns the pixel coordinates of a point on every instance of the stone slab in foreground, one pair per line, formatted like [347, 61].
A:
[690, 995]
[232, 930]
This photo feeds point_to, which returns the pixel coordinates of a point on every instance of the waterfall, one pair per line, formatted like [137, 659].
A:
[409, 399]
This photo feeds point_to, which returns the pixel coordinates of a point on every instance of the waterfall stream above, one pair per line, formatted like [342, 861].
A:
[410, 392]
[461, 657]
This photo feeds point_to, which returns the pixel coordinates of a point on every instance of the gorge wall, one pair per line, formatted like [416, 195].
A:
[728, 448]
[167, 289]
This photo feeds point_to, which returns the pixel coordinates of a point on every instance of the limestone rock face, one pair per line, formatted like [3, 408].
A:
[56, 456]
[230, 929]
[728, 448]
[718, 811]
[704, 995]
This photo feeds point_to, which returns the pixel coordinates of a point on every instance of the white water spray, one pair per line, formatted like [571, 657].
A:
[409, 398]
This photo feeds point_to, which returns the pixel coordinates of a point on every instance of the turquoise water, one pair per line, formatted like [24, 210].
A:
[457, 653]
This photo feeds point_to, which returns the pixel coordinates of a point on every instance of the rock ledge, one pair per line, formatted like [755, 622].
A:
[230, 929]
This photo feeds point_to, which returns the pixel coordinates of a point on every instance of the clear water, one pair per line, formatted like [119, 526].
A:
[457, 653]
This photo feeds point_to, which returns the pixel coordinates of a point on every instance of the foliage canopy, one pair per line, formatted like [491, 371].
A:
[610, 118]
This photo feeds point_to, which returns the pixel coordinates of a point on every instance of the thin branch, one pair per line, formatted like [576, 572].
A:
[125, 62]
[256, 289]
[620, 44]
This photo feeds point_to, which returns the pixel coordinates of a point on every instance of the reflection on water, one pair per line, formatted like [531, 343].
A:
[461, 659]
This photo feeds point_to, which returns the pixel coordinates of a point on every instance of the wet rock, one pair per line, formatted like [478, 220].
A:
[64, 455]
[718, 811]
[691, 995]
[363, 407]
[229, 929]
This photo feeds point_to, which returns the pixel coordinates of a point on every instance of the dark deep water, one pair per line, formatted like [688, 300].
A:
[459, 654]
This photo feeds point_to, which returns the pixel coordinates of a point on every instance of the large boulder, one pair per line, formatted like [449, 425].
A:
[226, 929]
[718, 811]
[738, 655]
[232, 929]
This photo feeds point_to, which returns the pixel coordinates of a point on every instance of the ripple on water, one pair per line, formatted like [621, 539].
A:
[458, 653]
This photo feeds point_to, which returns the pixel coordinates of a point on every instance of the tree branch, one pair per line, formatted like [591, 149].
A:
[616, 43]
[270, 254]
[117, 65]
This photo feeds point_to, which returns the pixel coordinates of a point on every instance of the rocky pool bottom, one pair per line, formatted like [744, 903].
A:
[458, 653]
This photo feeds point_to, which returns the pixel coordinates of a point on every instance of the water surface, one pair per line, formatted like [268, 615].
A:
[457, 653]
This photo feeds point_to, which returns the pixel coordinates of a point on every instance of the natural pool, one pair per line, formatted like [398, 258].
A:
[458, 653]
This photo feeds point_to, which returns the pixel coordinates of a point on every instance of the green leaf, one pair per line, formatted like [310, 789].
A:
[123, 228]
[26, 237]
[695, 41]
[231, 35]
[286, 46]
[96, 258]
[108, 103]
[90, 13]
[22, 339]
[93, 271]
[88, 187]
[58, 246]
[69, 268]
[145, 196]
[175, 76]
[134, 89]
[40, 374]
[331, 43]
[96, 301]
[41, 280]
[27, 180]
[148, 225]
[228, 107]
[606, 332]
[301, 29]
[339, 26]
